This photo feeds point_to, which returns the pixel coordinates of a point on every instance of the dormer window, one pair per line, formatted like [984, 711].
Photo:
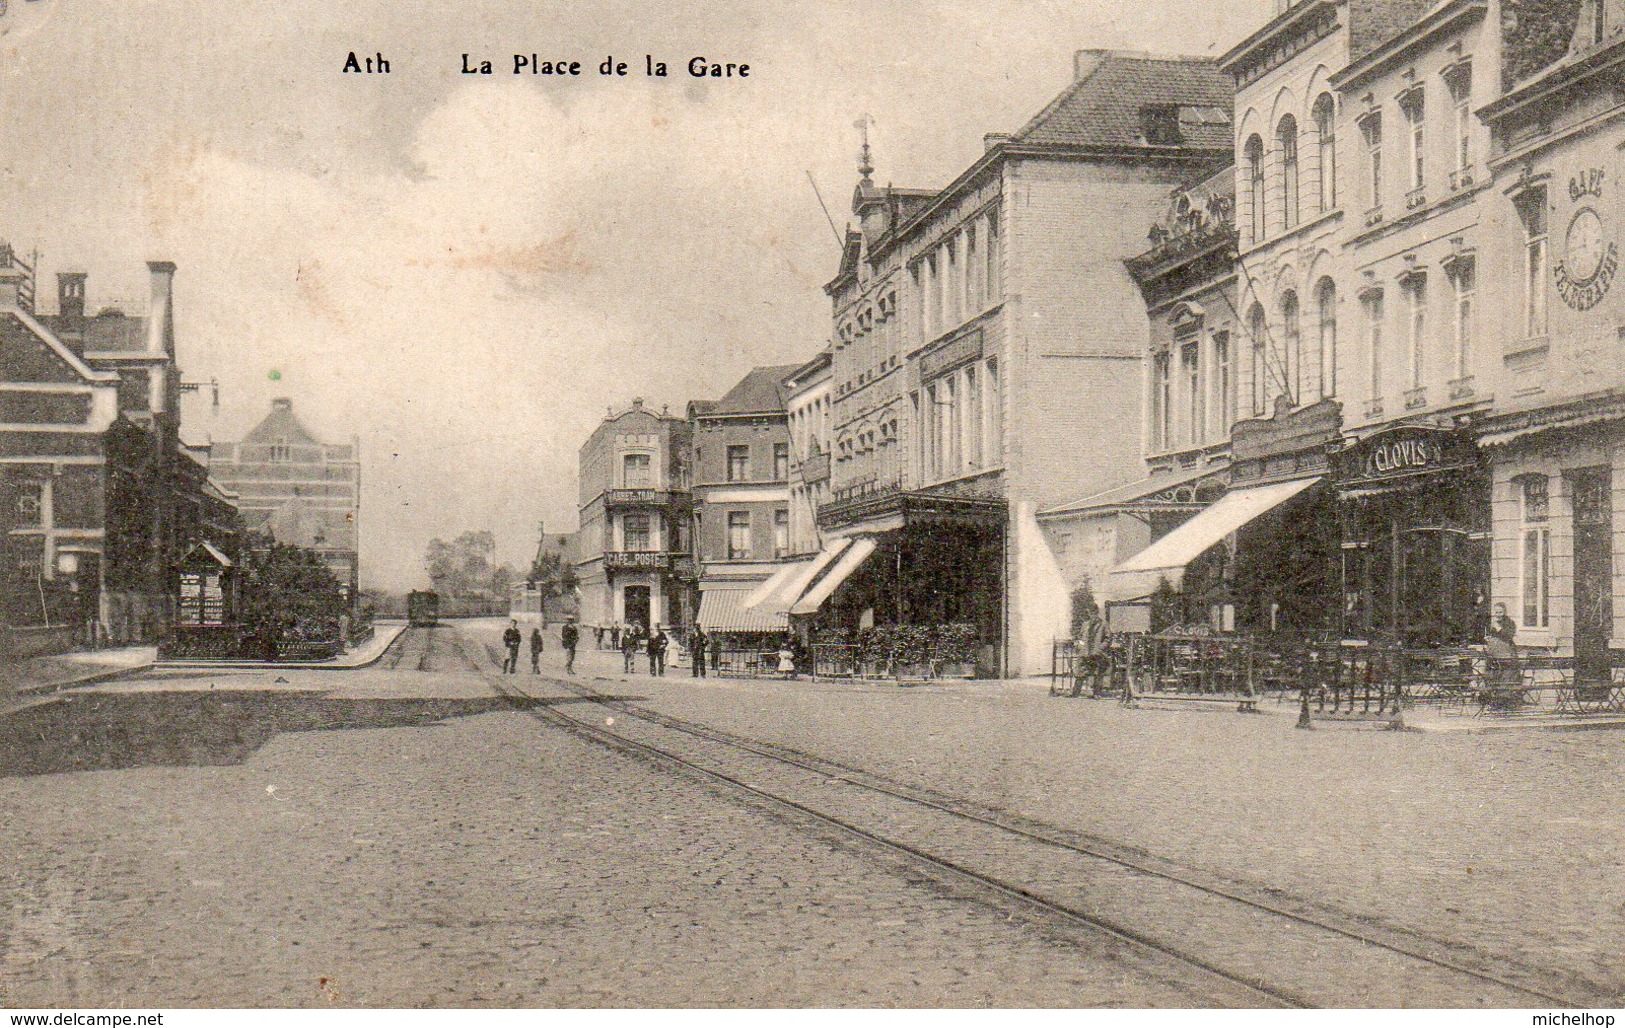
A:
[1159, 125]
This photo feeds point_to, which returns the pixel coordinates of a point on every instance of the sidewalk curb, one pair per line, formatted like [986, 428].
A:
[45, 689]
[280, 665]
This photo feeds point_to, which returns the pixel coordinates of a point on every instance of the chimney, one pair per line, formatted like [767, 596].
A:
[161, 314]
[282, 403]
[11, 280]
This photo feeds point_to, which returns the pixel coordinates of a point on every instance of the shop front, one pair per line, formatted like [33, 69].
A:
[1414, 508]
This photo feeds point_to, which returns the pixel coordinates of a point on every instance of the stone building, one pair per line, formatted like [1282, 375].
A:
[300, 489]
[987, 357]
[741, 527]
[633, 552]
[100, 502]
[807, 402]
[1550, 244]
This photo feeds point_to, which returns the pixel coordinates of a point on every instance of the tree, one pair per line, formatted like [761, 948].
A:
[465, 567]
[289, 591]
[551, 575]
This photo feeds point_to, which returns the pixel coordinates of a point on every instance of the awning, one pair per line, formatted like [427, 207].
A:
[791, 588]
[1167, 557]
[766, 591]
[823, 588]
[724, 610]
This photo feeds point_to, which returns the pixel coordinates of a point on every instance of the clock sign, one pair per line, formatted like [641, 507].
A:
[1590, 259]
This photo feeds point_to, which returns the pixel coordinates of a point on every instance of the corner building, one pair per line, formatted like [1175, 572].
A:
[987, 354]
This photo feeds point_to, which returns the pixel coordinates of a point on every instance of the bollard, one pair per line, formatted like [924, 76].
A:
[1304, 720]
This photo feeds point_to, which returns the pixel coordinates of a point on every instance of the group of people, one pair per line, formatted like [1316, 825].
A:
[630, 640]
[653, 642]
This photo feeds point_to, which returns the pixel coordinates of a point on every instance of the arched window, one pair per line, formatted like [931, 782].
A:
[1326, 308]
[1257, 332]
[1326, 150]
[1286, 139]
[1292, 343]
[1254, 156]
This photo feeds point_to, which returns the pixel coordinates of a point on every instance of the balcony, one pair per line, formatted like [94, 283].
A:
[644, 498]
[641, 560]
[1416, 198]
[1373, 216]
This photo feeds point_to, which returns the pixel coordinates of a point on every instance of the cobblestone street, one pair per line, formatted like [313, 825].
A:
[231, 840]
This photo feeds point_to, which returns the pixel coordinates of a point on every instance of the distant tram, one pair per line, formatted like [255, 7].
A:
[423, 608]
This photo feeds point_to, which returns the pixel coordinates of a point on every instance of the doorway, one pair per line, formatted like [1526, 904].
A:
[635, 605]
[1592, 492]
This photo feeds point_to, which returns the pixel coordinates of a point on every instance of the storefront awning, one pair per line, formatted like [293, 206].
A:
[821, 589]
[768, 591]
[786, 586]
[724, 610]
[1167, 557]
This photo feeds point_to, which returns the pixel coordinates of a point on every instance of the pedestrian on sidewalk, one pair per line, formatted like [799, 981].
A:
[787, 658]
[696, 651]
[657, 651]
[569, 635]
[511, 639]
[629, 647]
[536, 648]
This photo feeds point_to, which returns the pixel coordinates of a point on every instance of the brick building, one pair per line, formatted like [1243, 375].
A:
[302, 490]
[100, 500]
[741, 485]
[633, 554]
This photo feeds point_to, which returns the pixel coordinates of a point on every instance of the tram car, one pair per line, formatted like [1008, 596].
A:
[423, 608]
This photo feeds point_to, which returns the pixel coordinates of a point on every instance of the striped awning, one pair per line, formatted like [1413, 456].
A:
[823, 588]
[725, 610]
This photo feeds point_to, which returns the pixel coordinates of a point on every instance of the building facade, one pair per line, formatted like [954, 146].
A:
[1550, 243]
[298, 488]
[100, 503]
[807, 402]
[741, 527]
[970, 325]
[634, 555]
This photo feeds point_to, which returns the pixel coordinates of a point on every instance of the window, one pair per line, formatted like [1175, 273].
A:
[781, 534]
[951, 463]
[637, 471]
[1534, 586]
[994, 401]
[1286, 137]
[1326, 150]
[30, 505]
[1159, 125]
[1532, 210]
[1411, 105]
[739, 535]
[1256, 330]
[738, 463]
[1373, 334]
[1416, 298]
[1461, 100]
[1292, 342]
[1371, 128]
[1224, 383]
[951, 291]
[1190, 373]
[975, 269]
[281, 453]
[973, 419]
[636, 532]
[1464, 278]
[995, 284]
[1159, 401]
[781, 462]
[1326, 305]
[1253, 154]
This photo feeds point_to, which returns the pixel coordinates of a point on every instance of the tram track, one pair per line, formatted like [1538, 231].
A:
[1264, 952]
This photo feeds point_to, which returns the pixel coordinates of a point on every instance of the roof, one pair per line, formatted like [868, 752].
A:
[280, 426]
[29, 351]
[759, 392]
[112, 332]
[1104, 106]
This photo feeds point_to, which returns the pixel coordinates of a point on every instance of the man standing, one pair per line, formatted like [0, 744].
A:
[511, 639]
[657, 651]
[696, 651]
[536, 648]
[629, 648]
[569, 636]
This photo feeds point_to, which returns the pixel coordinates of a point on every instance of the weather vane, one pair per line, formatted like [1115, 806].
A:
[865, 163]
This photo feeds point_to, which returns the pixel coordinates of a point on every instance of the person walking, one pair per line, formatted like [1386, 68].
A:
[1089, 655]
[511, 639]
[569, 636]
[536, 648]
[629, 648]
[657, 651]
[696, 651]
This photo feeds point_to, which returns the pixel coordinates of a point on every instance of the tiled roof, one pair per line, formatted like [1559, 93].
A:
[760, 392]
[109, 333]
[1105, 105]
[280, 426]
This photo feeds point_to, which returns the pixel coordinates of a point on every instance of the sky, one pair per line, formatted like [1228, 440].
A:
[466, 272]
